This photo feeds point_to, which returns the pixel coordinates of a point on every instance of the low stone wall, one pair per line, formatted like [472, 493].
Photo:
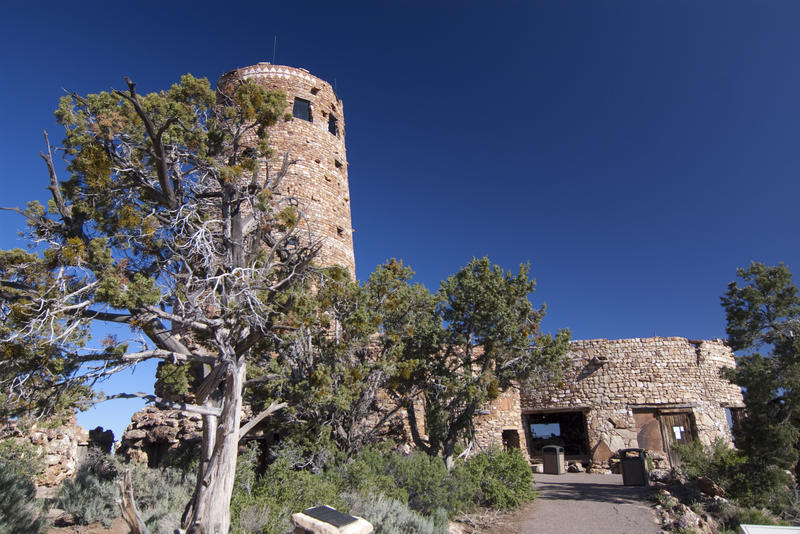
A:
[60, 449]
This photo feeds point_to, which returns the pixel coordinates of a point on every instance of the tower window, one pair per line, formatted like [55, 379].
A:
[302, 109]
[333, 125]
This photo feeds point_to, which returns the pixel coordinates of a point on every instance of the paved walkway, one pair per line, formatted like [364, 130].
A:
[578, 503]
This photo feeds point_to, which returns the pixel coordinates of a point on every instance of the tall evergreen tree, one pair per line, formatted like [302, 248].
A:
[169, 222]
[490, 342]
[763, 315]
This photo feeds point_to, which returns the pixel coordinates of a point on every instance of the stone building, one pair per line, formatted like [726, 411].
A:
[313, 136]
[617, 394]
[631, 393]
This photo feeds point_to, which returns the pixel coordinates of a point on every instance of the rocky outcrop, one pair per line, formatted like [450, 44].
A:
[155, 434]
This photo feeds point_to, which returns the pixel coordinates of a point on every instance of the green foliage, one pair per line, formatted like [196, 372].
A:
[265, 503]
[425, 479]
[371, 471]
[160, 494]
[756, 516]
[496, 479]
[173, 379]
[763, 315]
[390, 516]
[25, 457]
[19, 509]
[393, 489]
[491, 340]
[331, 382]
[504, 477]
[89, 497]
[720, 463]
[748, 482]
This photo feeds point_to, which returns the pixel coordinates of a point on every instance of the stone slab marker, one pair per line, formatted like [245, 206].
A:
[327, 520]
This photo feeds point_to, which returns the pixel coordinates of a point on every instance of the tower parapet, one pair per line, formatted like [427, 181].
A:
[314, 137]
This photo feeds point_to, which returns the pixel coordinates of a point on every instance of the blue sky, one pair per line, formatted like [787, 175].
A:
[636, 153]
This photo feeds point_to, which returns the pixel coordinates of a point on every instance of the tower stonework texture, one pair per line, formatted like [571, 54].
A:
[313, 136]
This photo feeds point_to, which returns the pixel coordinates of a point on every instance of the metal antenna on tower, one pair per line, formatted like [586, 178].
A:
[274, 48]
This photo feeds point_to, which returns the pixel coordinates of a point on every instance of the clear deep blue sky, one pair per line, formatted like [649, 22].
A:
[636, 153]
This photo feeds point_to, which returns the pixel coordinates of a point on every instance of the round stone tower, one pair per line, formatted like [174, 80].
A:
[314, 137]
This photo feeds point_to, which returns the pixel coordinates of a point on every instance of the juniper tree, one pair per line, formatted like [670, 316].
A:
[763, 316]
[345, 366]
[490, 342]
[169, 221]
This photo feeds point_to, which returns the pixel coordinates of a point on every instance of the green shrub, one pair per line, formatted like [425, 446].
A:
[23, 455]
[390, 516]
[88, 497]
[19, 509]
[160, 494]
[266, 505]
[371, 472]
[756, 516]
[504, 478]
[748, 481]
[424, 478]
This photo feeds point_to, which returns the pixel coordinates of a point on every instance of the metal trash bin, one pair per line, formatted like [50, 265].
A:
[633, 463]
[553, 459]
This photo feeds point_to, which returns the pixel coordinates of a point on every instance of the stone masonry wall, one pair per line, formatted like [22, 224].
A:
[501, 415]
[60, 449]
[609, 379]
[319, 178]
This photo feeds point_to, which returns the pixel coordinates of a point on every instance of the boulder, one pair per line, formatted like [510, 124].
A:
[709, 487]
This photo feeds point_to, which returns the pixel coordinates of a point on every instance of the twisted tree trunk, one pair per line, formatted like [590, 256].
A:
[210, 513]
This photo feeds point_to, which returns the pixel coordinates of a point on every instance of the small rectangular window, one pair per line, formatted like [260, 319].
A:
[302, 109]
[333, 125]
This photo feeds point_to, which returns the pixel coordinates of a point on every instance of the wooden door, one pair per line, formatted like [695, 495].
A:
[675, 428]
[648, 430]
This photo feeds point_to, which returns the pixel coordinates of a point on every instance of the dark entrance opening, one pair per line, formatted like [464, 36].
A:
[567, 429]
[510, 439]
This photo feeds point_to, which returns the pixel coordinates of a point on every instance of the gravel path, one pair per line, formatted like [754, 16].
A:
[577, 503]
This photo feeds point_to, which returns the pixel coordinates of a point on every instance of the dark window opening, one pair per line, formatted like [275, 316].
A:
[340, 231]
[337, 163]
[333, 125]
[315, 90]
[735, 416]
[302, 109]
[510, 439]
[567, 429]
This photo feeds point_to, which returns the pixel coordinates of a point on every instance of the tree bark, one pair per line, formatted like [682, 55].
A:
[211, 510]
[128, 506]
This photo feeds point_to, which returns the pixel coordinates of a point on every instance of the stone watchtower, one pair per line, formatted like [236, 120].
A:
[314, 137]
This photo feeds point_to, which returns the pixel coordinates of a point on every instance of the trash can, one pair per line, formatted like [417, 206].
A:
[633, 463]
[553, 459]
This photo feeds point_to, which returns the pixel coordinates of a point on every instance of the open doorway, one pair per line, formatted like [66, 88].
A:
[567, 429]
